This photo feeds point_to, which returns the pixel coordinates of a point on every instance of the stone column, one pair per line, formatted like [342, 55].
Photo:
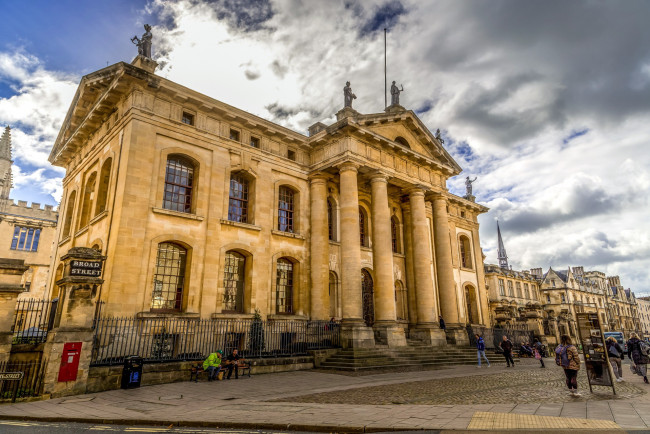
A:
[354, 332]
[74, 320]
[427, 328]
[446, 284]
[382, 259]
[319, 253]
[408, 259]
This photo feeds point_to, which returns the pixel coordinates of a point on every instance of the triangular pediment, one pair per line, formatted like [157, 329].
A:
[407, 129]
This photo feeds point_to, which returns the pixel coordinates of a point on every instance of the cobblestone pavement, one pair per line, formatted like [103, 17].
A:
[527, 383]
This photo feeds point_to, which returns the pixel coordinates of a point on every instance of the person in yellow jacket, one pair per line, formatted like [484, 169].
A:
[213, 365]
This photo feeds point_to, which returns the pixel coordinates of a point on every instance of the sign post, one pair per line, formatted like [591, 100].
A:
[590, 331]
[12, 376]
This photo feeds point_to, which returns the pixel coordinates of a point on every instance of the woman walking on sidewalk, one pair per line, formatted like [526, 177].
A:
[566, 355]
[538, 352]
[615, 353]
[480, 350]
[637, 351]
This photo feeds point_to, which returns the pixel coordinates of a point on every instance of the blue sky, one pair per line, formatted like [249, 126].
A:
[547, 103]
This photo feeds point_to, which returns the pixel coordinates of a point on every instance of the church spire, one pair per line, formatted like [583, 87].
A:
[501, 252]
[6, 179]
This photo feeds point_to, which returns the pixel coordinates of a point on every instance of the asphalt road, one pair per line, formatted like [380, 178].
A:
[30, 427]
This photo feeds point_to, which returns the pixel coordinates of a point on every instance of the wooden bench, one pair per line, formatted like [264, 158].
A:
[243, 366]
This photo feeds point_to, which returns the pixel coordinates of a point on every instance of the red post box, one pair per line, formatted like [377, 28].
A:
[70, 361]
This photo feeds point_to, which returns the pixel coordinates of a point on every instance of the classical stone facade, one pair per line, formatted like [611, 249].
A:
[643, 306]
[204, 210]
[622, 306]
[27, 233]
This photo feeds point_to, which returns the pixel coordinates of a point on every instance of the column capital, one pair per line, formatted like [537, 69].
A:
[319, 177]
[378, 176]
[348, 165]
[416, 190]
[435, 195]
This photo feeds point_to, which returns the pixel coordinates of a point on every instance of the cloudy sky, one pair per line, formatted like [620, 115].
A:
[546, 102]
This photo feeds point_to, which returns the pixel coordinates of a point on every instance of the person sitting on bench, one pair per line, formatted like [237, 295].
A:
[213, 365]
[232, 362]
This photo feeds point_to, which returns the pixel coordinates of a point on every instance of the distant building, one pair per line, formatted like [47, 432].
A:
[26, 232]
[643, 304]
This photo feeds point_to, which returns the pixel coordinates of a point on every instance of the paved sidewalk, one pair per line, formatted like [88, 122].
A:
[271, 401]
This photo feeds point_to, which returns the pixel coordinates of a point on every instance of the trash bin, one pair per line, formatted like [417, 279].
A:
[132, 372]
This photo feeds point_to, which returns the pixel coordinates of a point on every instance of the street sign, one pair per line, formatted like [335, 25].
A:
[86, 268]
[11, 376]
[594, 350]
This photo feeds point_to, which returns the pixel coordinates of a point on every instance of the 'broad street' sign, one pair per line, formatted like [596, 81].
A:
[85, 268]
[11, 376]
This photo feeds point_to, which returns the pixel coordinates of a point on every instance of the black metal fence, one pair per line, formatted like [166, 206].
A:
[21, 379]
[493, 336]
[180, 339]
[34, 318]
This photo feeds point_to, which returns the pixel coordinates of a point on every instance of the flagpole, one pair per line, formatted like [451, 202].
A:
[385, 82]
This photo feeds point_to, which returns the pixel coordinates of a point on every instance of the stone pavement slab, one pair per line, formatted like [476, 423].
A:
[286, 400]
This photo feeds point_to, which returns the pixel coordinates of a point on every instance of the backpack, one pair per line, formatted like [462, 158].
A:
[562, 356]
[644, 348]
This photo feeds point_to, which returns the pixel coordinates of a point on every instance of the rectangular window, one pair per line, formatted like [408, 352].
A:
[285, 210]
[291, 155]
[187, 118]
[502, 288]
[234, 135]
[25, 239]
[518, 286]
[255, 142]
[511, 292]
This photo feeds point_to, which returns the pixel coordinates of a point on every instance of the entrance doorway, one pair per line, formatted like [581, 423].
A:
[472, 305]
[368, 294]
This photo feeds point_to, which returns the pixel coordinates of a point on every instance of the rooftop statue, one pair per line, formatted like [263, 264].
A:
[468, 185]
[394, 93]
[442, 142]
[144, 43]
[348, 96]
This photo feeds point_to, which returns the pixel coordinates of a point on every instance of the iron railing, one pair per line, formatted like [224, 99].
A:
[493, 336]
[181, 339]
[34, 318]
[27, 379]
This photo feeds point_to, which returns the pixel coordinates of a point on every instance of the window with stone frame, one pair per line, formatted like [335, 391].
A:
[511, 292]
[179, 184]
[234, 282]
[465, 252]
[331, 221]
[284, 286]
[527, 291]
[394, 234]
[518, 287]
[104, 180]
[502, 288]
[67, 225]
[87, 204]
[286, 209]
[238, 204]
[169, 277]
[363, 227]
[25, 238]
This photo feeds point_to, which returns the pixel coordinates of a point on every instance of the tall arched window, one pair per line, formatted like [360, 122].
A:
[179, 182]
[68, 214]
[169, 277]
[465, 253]
[285, 209]
[104, 179]
[401, 301]
[284, 286]
[363, 227]
[234, 282]
[331, 221]
[86, 205]
[394, 234]
[238, 198]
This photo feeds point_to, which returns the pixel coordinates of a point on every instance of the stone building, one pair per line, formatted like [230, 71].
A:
[27, 233]
[204, 210]
[643, 309]
[622, 307]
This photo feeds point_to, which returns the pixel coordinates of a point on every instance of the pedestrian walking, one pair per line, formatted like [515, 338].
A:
[566, 356]
[506, 346]
[538, 351]
[616, 354]
[638, 351]
[442, 323]
[480, 349]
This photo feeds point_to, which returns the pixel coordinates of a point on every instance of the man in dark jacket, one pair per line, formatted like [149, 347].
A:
[232, 362]
[635, 353]
[506, 346]
[442, 323]
[480, 349]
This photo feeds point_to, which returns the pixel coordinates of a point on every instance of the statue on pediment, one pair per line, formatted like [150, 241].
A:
[468, 186]
[439, 137]
[348, 96]
[144, 43]
[394, 93]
